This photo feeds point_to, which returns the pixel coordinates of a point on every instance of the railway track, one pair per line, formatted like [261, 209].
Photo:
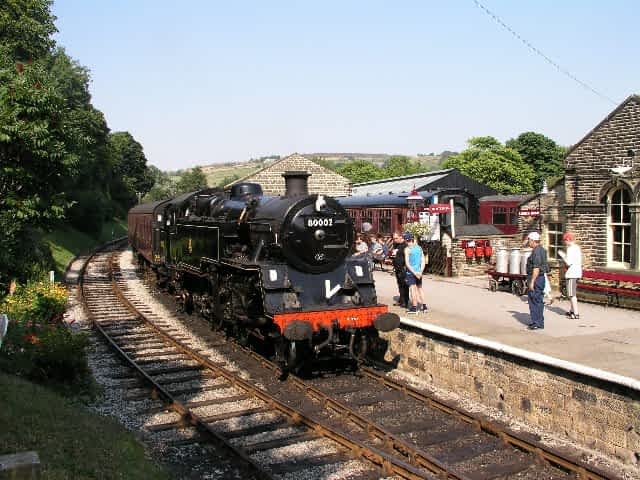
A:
[365, 425]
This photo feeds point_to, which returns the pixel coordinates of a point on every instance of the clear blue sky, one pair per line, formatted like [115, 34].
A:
[201, 82]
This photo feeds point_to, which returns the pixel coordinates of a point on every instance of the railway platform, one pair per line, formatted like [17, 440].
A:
[604, 338]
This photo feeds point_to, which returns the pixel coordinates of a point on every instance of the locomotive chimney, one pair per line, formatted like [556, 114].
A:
[296, 183]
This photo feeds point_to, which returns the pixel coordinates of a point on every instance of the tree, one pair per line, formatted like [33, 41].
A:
[398, 166]
[132, 177]
[191, 181]
[26, 27]
[34, 159]
[360, 171]
[163, 186]
[542, 154]
[488, 161]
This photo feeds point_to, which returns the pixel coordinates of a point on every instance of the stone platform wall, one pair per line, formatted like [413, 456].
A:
[598, 414]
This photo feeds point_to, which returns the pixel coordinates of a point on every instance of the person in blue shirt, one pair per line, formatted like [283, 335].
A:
[415, 263]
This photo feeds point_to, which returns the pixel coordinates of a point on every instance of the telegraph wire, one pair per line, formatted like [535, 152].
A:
[538, 52]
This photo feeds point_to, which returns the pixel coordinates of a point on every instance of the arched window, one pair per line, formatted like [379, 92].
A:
[619, 227]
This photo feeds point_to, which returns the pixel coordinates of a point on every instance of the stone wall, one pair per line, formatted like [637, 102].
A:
[322, 180]
[595, 413]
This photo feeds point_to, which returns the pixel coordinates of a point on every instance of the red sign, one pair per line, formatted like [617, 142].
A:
[439, 208]
[529, 212]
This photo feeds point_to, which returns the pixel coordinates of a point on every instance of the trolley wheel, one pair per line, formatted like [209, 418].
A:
[523, 287]
[493, 285]
[517, 287]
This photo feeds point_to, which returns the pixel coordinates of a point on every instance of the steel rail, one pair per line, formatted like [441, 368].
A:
[544, 452]
[187, 416]
[547, 453]
[388, 463]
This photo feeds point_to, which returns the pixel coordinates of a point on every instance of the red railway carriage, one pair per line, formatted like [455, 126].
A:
[140, 223]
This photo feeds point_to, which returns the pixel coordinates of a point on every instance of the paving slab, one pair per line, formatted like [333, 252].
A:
[606, 338]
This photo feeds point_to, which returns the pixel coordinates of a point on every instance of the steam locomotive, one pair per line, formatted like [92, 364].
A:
[277, 270]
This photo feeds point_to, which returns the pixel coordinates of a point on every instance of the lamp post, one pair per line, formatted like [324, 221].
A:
[415, 202]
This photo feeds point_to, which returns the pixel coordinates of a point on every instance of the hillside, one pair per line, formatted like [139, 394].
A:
[224, 173]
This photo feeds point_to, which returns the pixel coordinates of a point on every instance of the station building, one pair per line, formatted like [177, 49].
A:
[598, 198]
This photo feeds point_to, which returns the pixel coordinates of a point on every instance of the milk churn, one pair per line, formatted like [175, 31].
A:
[514, 261]
[524, 256]
[502, 260]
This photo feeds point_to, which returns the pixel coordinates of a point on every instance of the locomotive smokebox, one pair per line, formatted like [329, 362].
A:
[296, 183]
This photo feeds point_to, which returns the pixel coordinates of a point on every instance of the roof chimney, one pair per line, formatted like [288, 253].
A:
[296, 183]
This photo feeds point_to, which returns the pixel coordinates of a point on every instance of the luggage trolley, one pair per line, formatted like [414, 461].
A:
[514, 282]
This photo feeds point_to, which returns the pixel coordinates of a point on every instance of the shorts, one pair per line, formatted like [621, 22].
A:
[411, 279]
[572, 284]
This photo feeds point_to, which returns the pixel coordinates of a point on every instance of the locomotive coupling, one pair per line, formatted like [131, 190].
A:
[385, 322]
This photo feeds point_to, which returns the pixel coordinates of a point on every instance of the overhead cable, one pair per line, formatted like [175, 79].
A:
[538, 52]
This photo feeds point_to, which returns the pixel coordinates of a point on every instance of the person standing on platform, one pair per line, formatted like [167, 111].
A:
[537, 266]
[573, 260]
[399, 268]
[414, 259]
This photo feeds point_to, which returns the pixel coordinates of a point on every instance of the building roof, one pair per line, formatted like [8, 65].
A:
[380, 200]
[479, 229]
[293, 156]
[507, 198]
[630, 98]
[400, 184]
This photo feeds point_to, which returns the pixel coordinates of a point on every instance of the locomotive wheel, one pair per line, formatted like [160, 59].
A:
[185, 302]
[493, 285]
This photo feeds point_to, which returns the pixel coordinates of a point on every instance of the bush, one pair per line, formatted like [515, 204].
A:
[38, 344]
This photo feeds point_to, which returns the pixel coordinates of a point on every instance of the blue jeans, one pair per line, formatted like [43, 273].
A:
[536, 302]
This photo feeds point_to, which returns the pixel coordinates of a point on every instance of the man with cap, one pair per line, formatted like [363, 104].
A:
[400, 269]
[573, 260]
[537, 266]
[414, 260]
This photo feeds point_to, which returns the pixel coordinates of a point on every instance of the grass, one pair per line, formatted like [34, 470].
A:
[66, 243]
[71, 441]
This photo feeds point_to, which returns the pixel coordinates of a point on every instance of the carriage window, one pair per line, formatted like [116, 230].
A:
[554, 232]
[620, 227]
[499, 216]
[384, 222]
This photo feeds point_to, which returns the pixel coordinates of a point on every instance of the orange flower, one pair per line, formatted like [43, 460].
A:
[32, 338]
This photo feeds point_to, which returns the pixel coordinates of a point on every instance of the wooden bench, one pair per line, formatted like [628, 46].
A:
[612, 284]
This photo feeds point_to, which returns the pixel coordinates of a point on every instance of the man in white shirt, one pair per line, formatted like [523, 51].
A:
[573, 259]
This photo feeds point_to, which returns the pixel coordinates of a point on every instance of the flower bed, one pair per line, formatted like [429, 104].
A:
[38, 345]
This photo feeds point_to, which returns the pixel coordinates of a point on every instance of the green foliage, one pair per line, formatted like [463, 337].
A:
[543, 154]
[35, 157]
[488, 161]
[26, 27]
[418, 229]
[360, 171]
[163, 185]
[130, 168]
[38, 345]
[399, 166]
[227, 180]
[191, 181]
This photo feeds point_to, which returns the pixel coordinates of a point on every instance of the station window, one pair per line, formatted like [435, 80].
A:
[554, 232]
[619, 227]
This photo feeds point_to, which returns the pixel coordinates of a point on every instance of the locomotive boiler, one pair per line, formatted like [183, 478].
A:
[278, 270]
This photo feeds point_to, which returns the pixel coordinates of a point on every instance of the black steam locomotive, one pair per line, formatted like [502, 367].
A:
[276, 269]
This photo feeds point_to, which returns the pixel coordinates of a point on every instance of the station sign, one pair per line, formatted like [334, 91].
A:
[529, 212]
[439, 208]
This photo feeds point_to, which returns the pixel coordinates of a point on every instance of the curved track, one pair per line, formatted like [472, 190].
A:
[376, 425]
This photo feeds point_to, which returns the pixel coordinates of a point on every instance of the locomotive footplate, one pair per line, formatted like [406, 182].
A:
[377, 316]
